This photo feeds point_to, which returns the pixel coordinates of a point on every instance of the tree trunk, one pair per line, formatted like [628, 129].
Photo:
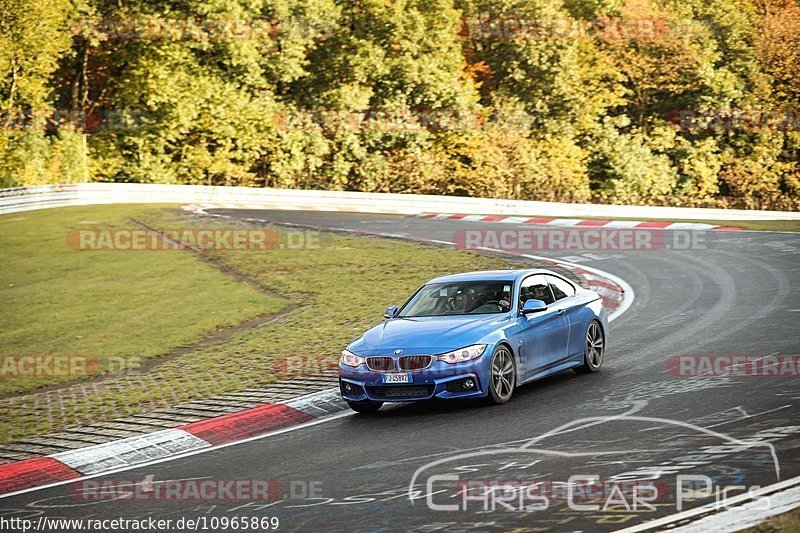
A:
[11, 91]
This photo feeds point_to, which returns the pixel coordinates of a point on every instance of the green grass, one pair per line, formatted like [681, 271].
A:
[131, 306]
[760, 225]
[149, 302]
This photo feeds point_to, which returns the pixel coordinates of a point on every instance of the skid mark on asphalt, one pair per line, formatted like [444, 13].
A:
[697, 331]
[693, 333]
[657, 390]
[737, 414]
[634, 398]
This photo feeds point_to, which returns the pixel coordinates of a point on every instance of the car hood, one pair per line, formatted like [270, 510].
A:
[433, 334]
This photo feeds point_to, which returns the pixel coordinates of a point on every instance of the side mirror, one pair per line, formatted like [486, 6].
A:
[533, 306]
[390, 312]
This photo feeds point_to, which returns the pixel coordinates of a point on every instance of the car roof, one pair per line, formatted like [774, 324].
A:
[486, 275]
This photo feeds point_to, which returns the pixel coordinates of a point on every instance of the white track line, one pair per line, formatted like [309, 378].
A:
[746, 515]
[182, 455]
[716, 521]
[131, 451]
[627, 299]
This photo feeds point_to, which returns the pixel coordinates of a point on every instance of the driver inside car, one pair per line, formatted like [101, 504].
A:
[461, 302]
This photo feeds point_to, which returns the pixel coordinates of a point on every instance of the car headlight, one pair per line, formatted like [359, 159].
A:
[351, 359]
[463, 354]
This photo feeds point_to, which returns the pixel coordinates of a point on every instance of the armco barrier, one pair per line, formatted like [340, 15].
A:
[46, 196]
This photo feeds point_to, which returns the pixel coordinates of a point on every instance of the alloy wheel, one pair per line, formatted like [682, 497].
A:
[503, 374]
[594, 345]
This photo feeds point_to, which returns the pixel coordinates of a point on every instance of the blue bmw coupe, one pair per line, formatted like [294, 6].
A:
[475, 335]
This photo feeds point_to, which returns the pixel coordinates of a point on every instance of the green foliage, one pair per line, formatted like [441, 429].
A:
[560, 100]
[631, 167]
[32, 158]
[32, 38]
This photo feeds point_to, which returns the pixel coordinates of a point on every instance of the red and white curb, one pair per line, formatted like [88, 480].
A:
[576, 222]
[250, 423]
[503, 219]
[125, 453]
[615, 293]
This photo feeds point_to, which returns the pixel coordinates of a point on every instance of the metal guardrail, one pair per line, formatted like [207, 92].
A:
[20, 199]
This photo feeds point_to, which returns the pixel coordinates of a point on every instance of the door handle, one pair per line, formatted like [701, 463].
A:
[561, 312]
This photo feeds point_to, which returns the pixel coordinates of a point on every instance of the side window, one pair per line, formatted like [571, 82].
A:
[561, 289]
[535, 287]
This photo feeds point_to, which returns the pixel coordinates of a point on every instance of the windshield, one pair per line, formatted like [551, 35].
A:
[460, 298]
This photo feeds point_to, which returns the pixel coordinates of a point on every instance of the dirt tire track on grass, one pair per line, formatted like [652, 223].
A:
[217, 336]
[222, 334]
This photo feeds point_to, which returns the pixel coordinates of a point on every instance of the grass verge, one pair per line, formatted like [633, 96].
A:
[90, 311]
[331, 288]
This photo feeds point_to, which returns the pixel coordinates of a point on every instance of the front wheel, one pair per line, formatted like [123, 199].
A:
[365, 406]
[503, 377]
[594, 351]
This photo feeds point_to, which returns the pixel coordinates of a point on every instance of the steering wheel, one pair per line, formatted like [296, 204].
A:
[490, 302]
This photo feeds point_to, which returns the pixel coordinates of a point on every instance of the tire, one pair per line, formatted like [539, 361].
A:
[595, 349]
[502, 375]
[365, 406]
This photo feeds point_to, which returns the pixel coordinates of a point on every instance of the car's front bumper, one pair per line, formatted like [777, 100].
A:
[440, 380]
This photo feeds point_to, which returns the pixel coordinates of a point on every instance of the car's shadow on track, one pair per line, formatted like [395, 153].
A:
[522, 398]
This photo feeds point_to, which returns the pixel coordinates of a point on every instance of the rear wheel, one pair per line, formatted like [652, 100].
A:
[594, 351]
[365, 406]
[503, 378]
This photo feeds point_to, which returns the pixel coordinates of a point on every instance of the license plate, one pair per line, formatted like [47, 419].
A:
[396, 378]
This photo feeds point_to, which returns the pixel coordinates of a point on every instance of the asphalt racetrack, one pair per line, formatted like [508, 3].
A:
[737, 293]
